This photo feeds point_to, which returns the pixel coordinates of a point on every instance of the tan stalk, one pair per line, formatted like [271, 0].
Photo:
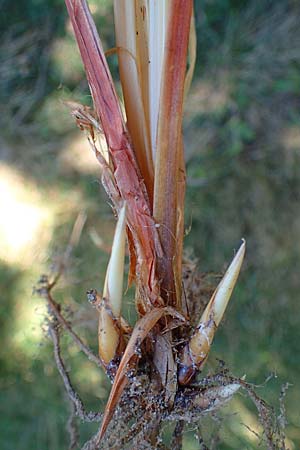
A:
[158, 23]
[168, 155]
[196, 351]
[108, 332]
[192, 56]
[181, 184]
[131, 26]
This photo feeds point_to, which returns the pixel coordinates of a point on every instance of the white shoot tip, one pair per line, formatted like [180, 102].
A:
[219, 301]
[113, 286]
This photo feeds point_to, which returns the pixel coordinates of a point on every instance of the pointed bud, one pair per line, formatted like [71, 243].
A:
[205, 400]
[219, 301]
[108, 332]
[195, 353]
[108, 336]
[113, 286]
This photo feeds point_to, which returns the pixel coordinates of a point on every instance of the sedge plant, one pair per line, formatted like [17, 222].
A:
[154, 365]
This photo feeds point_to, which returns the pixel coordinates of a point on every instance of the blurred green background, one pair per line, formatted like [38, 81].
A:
[242, 141]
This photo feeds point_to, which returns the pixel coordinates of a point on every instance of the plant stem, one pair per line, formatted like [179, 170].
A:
[169, 144]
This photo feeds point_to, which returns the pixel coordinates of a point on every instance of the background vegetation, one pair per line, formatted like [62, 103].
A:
[243, 157]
